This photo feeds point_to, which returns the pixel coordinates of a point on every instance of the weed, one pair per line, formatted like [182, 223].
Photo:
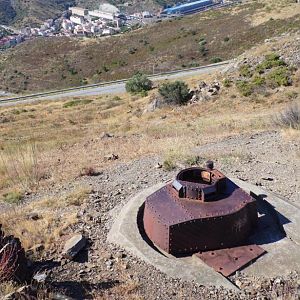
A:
[169, 164]
[78, 197]
[14, 197]
[193, 160]
[258, 80]
[289, 118]
[245, 71]
[76, 103]
[21, 165]
[292, 95]
[227, 82]
[244, 87]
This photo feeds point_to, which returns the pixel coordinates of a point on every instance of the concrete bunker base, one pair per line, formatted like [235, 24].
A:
[279, 236]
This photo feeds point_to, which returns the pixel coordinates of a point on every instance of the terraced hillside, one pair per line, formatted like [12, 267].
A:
[44, 64]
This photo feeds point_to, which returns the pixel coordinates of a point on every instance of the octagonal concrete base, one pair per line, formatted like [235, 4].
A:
[278, 234]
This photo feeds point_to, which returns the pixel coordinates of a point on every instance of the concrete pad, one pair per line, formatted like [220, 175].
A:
[280, 235]
[278, 223]
[125, 233]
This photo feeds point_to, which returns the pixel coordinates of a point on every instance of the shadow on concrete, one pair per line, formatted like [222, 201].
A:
[83, 289]
[270, 222]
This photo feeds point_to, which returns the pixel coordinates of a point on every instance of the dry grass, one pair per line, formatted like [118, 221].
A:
[19, 165]
[275, 9]
[70, 138]
[55, 216]
[7, 288]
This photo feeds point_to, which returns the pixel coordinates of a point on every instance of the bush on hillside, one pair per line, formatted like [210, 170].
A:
[215, 60]
[175, 92]
[139, 83]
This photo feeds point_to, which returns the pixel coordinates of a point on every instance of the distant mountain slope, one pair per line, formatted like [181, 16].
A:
[7, 12]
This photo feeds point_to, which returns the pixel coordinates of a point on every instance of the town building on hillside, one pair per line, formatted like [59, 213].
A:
[77, 20]
[102, 15]
[79, 11]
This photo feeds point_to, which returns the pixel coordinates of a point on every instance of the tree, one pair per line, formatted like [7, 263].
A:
[175, 92]
[138, 83]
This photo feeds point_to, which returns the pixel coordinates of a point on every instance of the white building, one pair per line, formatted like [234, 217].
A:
[102, 15]
[77, 20]
[107, 31]
[79, 11]
[67, 25]
[146, 14]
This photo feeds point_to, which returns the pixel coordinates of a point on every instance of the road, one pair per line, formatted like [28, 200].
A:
[112, 87]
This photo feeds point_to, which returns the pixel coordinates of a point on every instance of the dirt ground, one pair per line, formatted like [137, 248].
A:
[104, 271]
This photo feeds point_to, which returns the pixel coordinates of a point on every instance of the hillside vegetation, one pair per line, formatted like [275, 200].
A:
[44, 64]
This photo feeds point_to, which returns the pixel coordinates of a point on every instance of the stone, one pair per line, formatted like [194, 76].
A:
[40, 277]
[106, 135]
[73, 246]
[158, 166]
[111, 156]
[33, 216]
[35, 249]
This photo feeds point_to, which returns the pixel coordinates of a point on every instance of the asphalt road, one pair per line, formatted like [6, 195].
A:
[114, 88]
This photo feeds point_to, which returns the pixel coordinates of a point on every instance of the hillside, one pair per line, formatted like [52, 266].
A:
[20, 13]
[69, 166]
[44, 64]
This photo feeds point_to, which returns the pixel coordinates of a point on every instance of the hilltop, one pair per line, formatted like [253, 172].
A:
[200, 39]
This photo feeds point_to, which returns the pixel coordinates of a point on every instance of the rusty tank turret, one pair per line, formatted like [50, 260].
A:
[200, 210]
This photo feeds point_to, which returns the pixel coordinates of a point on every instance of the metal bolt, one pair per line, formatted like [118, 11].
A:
[209, 164]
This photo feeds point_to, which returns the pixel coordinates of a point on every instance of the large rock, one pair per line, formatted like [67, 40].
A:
[73, 246]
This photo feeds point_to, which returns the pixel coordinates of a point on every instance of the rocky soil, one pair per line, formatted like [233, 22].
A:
[104, 271]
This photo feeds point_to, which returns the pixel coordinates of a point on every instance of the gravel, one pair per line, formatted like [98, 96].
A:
[105, 270]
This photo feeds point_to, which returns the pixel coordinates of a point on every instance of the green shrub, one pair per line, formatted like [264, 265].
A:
[139, 83]
[271, 61]
[279, 77]
[245, 71]
[227, 82]
[215, 60]
[258, 80]
[244, 87]
[175, 92]
[226, 39]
